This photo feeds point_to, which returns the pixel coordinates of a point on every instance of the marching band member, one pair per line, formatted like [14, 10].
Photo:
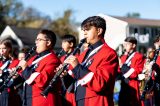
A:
[151, 73]
[39, 71]
[68, 45]
[95, 69]
[132, 66]
[8, 96]
[147, 99]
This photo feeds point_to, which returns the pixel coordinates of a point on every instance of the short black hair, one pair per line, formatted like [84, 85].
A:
[69, 38]
[131, 40]
[49, 35]
[95, 21]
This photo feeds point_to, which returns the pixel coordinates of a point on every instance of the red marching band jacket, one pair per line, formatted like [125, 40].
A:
[98, 80]
[69, 96]
[45, 68]
[137, 63]
[12, 64]
[13, 97]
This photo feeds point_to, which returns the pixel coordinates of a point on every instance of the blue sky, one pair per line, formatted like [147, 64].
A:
[149, 9]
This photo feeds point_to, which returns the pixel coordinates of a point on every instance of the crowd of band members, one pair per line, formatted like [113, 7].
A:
[139, 72]
[90, 78]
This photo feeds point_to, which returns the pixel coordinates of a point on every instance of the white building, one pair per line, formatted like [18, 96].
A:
[118, 28]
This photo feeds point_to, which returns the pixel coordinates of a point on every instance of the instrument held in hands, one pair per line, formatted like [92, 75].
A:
[148, 85]
[58, 73]
[13, 73]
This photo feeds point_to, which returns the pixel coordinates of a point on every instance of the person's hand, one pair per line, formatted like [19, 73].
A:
[22, 64]
[13, 73]
[72, 60]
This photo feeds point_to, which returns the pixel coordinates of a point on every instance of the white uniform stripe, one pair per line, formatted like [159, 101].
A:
[32, 77]
[85, 79]
[128, 73]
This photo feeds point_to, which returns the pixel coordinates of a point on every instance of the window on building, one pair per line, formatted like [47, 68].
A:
[155, 31]
[144, 30]
[133, 30]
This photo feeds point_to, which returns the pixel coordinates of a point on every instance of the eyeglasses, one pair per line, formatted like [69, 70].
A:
[39, 39]
[3, 48]
[127, 43]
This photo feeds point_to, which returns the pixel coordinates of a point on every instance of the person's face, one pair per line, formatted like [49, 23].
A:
[128, 46]
[157, 44]
[66, 46]
[4, 51]
[42, 43]
[92, 34]
[21, 56]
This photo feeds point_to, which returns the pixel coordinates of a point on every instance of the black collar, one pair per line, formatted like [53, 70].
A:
[43, 53]
[4, 59]
[93, 46]
[131, 53]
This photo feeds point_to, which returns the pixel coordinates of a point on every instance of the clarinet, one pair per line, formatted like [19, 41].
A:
[6, 81]
[58, 73]
[149, 83]
[60, 53]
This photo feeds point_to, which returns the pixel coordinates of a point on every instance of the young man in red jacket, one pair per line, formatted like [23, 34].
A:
[95, 69]
[68, 45]
[132, 65]
[39, 70]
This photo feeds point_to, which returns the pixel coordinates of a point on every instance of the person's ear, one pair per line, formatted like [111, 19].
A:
[71, 44]
[134, 45]
[99, 31]
[48, 43]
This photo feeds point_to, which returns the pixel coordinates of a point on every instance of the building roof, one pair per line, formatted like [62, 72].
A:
[140, 22]
[28, 35]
